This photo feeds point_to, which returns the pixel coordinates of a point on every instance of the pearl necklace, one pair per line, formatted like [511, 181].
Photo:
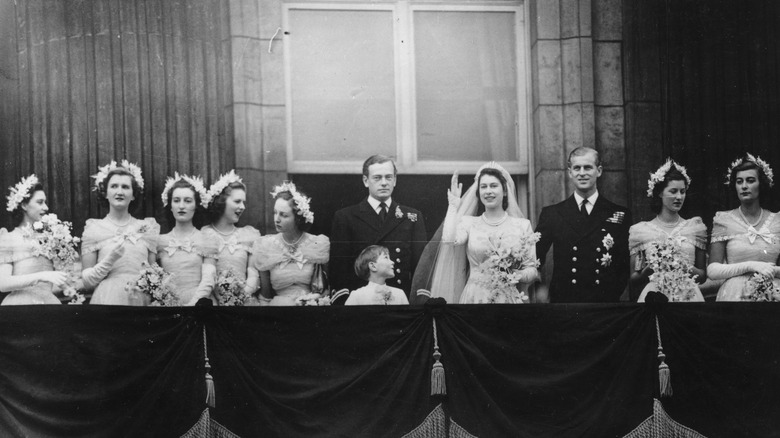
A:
[760, 216]
[669, 224]
[496, 223]
[223, 233]
[292, 244]
[118, 225]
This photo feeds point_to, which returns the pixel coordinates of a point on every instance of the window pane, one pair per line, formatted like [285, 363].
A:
[466, 85]
[342, 82]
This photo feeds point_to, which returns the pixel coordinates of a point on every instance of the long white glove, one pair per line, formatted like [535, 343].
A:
[10, 283]
[723, 271]
[208, 278]
[252, 280]
[94, 275]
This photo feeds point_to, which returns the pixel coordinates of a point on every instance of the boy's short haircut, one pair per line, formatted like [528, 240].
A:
[368, 255]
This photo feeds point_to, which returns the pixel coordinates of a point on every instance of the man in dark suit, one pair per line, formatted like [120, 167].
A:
[377, 220]
[589, 236]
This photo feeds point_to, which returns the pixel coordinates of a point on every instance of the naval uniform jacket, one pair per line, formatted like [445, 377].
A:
[581, 272]
[359, 226]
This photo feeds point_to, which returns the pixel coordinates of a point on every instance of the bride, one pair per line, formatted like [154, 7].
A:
[482, 226]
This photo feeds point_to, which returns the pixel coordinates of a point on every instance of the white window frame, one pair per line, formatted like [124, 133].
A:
[406, 128]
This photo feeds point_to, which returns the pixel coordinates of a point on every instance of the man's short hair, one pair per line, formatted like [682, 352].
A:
[584, 150]
[368, 255]
[377, 159]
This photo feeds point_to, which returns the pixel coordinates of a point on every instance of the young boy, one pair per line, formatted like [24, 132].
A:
[374, 265]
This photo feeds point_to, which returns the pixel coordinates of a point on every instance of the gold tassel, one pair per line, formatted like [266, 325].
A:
[211, 397]
[438, 382]
[664, 373]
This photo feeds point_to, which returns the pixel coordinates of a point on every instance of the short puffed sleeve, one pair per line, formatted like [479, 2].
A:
[639, 236]
[247, 236]
[724, 227]
[6, 247]
[316, 249]
[95, 236]
[207, 245]
[696, 232]
[150, 232]
[266, 253]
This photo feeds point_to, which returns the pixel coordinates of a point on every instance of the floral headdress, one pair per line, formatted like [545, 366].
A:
[660, 174]
[763, 165]
[217, 188]
[195, 181]
[128, 166]
[301, 202]
[20, 191]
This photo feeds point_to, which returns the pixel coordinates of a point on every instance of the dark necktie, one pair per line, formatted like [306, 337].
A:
[583, 207]
[382, 211]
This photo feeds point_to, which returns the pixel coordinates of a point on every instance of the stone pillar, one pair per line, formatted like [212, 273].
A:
[258, 103]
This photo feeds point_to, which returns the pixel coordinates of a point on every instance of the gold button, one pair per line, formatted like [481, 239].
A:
[574, 248]
[398, 250]
[574, 282]
[399, 281]
[398, 270]
[574, 259]
[597, 282]
[398, 260]
[598, 249]
[574, 270]
[597, 271]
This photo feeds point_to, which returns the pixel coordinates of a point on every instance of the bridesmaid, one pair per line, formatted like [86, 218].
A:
[184, 251]
[667, 188]
[29, 278]
[745, 240]
[113, 248]
[226, 200]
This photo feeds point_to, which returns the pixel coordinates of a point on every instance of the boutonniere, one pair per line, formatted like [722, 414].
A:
[385, 294]
[617, 217]
[608, 242]
[412, 216]
[398, 213]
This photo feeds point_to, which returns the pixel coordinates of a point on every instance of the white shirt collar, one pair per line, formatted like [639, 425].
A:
[591, 200]
[375, 203]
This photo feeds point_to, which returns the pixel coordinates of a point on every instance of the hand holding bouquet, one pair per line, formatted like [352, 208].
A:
[671, 269]
[230, 289]
[154, 281]
[54, 241]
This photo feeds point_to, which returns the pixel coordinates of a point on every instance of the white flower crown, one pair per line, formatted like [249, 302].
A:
[301, 202]
[195, 181]
[763, 165]
[128, 166]
[20, 191]
[217, 188]
[660, 174]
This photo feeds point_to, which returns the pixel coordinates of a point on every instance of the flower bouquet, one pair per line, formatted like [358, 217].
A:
[671, 269]
[74, 287]
[230, 289]
[312, 299]
[506, 258]
[760, 288]
[54, 241]
[154, 281]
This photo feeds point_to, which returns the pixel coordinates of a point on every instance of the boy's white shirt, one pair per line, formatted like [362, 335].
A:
[368, 295]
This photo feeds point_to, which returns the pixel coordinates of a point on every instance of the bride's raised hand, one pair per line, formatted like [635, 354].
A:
[454, 192]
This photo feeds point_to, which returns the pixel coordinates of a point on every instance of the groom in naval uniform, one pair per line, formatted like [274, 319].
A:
[376, 220]
[589, 236]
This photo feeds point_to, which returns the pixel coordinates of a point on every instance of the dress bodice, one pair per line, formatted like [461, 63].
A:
[744, 242]
[183, 257]
[17, 248]
[234, 249]
[140, 239]
[480, 238]
[693, 234]
[291, 267]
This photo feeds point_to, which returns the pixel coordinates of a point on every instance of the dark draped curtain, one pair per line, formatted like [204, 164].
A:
[706, 75]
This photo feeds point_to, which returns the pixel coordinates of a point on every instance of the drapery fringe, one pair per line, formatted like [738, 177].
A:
[661, 425]
[211, 397]
[664, 373]
[436, 425]
[438, 382]
[208, 428]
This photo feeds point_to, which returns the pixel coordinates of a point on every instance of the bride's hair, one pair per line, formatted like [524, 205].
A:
[102, 189]
[498, 175]
[199, 210]
[672, 175]
[217, 205]
[18, 214]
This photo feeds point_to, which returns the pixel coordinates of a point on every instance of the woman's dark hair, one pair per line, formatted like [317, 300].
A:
[102, 190]
[18, 214]
[495, 173]
[673, 174]
[217, 205]
[197, 220]
[300, 221]
[763, 180]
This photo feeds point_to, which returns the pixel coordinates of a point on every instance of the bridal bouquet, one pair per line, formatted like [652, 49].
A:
[74, 287]
[154, 281]
[54, 240]
[761, 288]
[230, 289]
[506, 257]
[312, 300]
[671, 269]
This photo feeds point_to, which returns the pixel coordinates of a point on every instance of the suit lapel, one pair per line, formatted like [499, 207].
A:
[367, 214]
[571, 215]
[391, 222]
[597, 216]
